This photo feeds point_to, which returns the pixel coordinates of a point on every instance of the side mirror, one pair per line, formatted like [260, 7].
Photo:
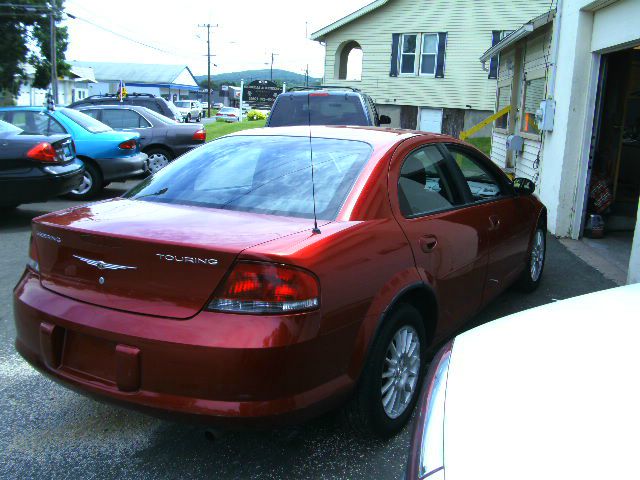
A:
[524, 186]
[384, 120]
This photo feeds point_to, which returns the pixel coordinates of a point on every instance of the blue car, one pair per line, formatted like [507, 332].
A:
[108, 155]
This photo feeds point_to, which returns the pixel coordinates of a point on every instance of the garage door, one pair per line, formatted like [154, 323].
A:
[431, 120]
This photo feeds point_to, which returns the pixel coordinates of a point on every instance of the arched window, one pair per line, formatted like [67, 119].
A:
[348, 64]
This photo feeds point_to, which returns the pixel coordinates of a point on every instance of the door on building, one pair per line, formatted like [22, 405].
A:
[430, 120]
[613, 189]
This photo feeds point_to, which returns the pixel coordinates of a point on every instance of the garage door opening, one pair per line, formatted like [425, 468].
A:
[613, 189]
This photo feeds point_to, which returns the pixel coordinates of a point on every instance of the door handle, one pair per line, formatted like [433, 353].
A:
[428, 243]
[494, 222]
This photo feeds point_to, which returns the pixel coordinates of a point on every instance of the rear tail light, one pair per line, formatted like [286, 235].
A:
[43, 152]
[200, 135]
[128, 145]
[265, 288]
[32, 261]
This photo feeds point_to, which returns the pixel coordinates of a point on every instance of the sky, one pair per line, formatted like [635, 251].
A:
[246, 35]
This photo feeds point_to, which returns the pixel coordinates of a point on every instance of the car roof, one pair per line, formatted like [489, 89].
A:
[373, 135]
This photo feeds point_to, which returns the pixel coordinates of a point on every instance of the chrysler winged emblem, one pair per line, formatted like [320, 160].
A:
[103, 265]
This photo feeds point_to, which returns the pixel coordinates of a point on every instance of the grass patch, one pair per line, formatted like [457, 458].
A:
[481, 143]
[218, 129]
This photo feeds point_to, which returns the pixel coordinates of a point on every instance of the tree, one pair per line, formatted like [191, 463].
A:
[25, 39]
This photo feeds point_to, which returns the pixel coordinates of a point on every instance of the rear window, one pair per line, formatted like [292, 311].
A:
[85, 121]
[326, 109]
[228, 110]
[262, 174]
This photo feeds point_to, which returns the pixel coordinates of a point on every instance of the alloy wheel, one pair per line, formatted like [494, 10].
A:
[537, 255]
[85, 186]
[157, 161]
[400, 371]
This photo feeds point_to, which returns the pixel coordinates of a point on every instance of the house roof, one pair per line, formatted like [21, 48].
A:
[522, 32]
[320, 34]
[135, 72]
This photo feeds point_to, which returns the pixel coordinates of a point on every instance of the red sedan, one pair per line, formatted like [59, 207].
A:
[208, 290]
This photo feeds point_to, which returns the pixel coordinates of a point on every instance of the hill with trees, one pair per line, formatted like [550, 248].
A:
[279, 76]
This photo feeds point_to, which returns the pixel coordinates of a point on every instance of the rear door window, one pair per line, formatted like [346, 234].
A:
[325, 108]
[123, 118]
[36, 123]
[425, 184]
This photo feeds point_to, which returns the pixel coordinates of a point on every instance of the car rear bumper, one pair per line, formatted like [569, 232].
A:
[114, 169]
[182, 149]
[226, 119]
[42, 184]
[224, 369]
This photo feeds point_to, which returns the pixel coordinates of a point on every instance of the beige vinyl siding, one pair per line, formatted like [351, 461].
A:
[499, 148]
[468, 23]
[525, 161]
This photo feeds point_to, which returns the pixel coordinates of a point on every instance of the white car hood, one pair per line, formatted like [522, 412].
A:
[550, 393]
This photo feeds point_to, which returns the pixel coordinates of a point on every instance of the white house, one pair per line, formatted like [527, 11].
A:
[585, 152]
[172, 82]
[419, 57]
[71, 88]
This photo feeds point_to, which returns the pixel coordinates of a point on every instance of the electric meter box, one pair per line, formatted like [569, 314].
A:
[545, 114]
[515, 143]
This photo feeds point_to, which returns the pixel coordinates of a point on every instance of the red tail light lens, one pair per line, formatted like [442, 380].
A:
[231, 115]
[32, 261]
[43, 152]
[265, 288]
[128, 145]
[200, 135]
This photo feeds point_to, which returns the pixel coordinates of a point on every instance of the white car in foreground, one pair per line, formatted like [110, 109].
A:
[548, 393]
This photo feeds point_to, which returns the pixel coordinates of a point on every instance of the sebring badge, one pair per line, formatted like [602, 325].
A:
[103, 265]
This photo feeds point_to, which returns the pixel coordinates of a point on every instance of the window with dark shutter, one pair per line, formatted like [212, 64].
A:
[496, 35]
[395, 42]
[442, 45]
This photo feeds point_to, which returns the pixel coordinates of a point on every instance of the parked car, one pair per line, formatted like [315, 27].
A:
[328, 106]
[295, 302]
[35, 168]
[189, 109]
[152, 102]
[108, 155]
[228, 114]
[218, 105]
[550, 392]
[161, 139]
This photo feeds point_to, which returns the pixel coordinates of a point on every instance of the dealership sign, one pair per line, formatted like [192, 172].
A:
[261, 91]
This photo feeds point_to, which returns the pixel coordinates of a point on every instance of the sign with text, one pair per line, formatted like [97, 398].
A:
[261, 91]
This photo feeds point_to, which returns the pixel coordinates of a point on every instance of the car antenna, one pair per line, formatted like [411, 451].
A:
[313, 183]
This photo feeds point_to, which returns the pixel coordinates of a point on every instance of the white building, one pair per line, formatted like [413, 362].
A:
[587, 61]
[173, 82]
[71, 88]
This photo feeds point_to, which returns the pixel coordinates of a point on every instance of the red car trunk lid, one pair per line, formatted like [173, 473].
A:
[147, 257]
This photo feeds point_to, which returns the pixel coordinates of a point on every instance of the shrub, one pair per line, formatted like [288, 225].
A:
[256, 115]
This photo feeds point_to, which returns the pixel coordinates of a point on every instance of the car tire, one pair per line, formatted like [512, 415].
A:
[532, 275]
[158, 159]
[199, 118]
[371, 410]
[92, 184]
[188, 119]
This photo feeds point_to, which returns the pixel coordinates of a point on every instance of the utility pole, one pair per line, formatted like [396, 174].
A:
[272, 55]
[208, 27]
[54, 62]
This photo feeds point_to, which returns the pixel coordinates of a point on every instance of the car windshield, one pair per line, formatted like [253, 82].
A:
[326, 109]
[263, 174]
[183, 104]
[85, 121]
[9, 128]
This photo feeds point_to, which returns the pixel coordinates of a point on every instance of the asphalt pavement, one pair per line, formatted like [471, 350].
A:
[47, 431]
